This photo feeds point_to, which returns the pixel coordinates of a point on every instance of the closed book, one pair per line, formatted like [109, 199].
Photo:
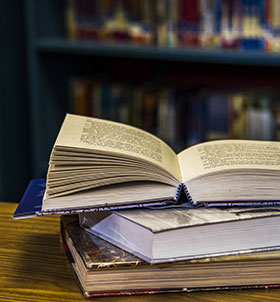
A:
[102, 269]
[174, 234]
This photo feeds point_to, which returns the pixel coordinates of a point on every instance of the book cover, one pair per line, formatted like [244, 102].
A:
[31, 201]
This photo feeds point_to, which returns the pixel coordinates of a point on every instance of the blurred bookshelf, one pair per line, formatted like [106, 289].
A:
[180, 54]
[177, 74]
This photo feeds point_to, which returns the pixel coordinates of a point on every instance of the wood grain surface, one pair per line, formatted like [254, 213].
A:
[33, 267]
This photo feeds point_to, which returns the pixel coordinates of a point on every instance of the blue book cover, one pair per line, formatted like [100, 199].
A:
[31, 202]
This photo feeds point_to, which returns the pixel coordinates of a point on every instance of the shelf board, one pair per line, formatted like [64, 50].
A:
[64, 46]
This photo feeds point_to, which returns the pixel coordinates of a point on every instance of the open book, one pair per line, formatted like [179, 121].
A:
[101, 164]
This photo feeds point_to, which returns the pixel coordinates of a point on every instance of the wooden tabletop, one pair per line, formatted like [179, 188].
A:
[33, 267]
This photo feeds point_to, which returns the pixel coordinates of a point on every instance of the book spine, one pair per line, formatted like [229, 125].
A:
[123, 111]
[217, 116]
[162, 22]
[171, 129]
[266, 119]
[238, 117]
[70, 19]
[207, 23]
[115, 102]
[96, 99]
[194, 122]
[268, 41]
[79, 104]
[162, 114]
[276, 25]
[189, 24]
[179, 189]
[148, 21]
[149, 115]
[172, 19]
[252, 119]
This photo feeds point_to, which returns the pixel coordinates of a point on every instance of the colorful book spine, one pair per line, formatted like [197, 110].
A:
[238, 24]
[238, 117]
[275, 25]
[70, 19]
[189, 23]
[207, 23]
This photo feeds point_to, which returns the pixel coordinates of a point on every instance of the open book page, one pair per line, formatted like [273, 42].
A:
[93, 134]
[222, 155]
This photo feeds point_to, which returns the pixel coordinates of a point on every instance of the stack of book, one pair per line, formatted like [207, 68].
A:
[149, 220]
[103, 268]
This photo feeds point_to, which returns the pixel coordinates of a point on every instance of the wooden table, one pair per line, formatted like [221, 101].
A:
[33, 267]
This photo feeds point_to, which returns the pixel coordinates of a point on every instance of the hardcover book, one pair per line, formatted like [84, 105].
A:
[102, 269]
[173, 234]
[102, 164]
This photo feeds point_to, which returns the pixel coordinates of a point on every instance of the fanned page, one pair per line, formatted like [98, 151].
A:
[114, 196]
[113, 151]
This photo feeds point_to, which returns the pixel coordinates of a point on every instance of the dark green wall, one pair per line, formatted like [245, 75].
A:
[14, 139]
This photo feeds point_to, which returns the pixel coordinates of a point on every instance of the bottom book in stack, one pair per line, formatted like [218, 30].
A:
[102, 269]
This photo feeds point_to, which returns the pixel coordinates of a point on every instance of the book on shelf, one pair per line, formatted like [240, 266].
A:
[174, 234]
[221, 24]
[163, 110]
[260, 119]
[121, 21]
[238, 117]
[217, 116]
[102, 164]
[102, 269]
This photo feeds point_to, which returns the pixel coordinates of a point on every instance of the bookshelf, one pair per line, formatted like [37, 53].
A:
[53, 60]
[117, 50]
[217, 62]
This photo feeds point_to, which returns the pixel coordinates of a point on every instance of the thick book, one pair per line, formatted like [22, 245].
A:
[102, 269]
[97, 163]
[168, 235]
